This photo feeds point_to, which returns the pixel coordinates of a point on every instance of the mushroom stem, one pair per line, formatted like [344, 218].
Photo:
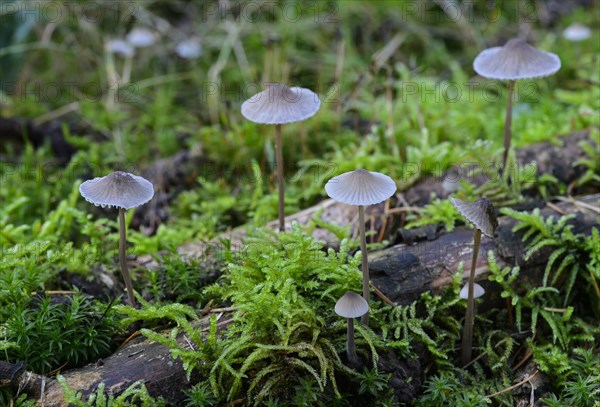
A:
[365, 261]
[123, 257]
[508, 124]
[350, 346]
[280, 186]
[467, 339]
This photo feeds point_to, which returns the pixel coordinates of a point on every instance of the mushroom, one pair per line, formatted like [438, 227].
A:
[478, 291]
[124, 191]
[515, 60]
[141, 37]
[279, 105]
[361, 187]
[189, 48]
[120, 47]
[577, 32]
[351, 306]
[481, 213]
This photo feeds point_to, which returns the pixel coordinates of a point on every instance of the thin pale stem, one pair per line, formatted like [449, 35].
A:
[365, 260]
[123, 257]
[280, 186]
[350, 346]
[508, 125]
[467, 339]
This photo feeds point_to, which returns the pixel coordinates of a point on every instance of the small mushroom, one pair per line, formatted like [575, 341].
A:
[189, 48]
[515, 60]
[351, 306]
[481, 213]
[478, 291]
[361, 187]
[120, 47]
[577, 32]
[141, 37]
[279, 105]
[124, 191]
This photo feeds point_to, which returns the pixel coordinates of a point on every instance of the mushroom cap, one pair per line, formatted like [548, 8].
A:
[119, 189]
[279, 104]
[515, 60]
[360, 187]
[577, 32]
[478, 291]
[189, 48]
[351, 305]
[480, 213]
[141, 37]
[120, 47]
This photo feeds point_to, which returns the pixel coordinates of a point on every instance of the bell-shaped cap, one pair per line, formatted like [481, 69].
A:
[351, 305]
[141, 37]
[119, 189]
[478, 291]
[515, 60]
[360, 187]
[577, 32]
[279, 104]
[480, 213]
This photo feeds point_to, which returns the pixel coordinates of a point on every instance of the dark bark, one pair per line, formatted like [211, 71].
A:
[139, 360]
[403, 272]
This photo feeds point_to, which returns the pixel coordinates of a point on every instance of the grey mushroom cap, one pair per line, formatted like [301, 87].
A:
[515, 60]
[351, 305]
[478, 291]
[480, 213]
[119, 189]
[280, 104]
[360, 187]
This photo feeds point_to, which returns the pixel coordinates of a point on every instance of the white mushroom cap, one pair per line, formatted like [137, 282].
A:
[577, 32]
[360, 187]
[478, 291]
[120, 47]
[141, 37]
[119, 189]
[351, 305]
[515, 60]
[279, 104]
[189, 49]
[480, 213]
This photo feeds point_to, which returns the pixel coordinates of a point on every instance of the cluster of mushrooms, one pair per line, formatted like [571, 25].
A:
[279, 105]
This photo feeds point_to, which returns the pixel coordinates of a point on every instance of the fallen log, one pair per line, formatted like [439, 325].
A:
[403, 272]
[139, 360]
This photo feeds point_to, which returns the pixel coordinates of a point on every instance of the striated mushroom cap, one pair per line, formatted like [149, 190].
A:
[360, 187]
[119, 189]
[515, 60]
[478, 291]
[480, 213]
[351, 305]
[279, 104]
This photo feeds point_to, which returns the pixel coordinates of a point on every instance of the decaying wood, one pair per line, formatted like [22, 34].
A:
[139, 360]
[403, 272]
